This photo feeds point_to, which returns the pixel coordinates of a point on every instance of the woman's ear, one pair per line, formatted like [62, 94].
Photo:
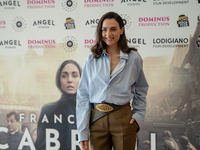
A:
[122, 31]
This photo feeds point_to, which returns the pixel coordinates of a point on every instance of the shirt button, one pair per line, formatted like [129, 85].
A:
[107, 73]
[107, 98]
[107, 61]
[108, 85]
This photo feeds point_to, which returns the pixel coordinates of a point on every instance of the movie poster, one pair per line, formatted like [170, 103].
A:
[43, 41]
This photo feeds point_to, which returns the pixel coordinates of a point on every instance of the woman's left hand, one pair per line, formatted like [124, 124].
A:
[132, 120]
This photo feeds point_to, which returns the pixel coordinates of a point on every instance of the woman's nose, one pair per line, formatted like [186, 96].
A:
[108, 32]
[69, 78]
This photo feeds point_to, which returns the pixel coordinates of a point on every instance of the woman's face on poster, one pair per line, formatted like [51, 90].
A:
[34, 135]
[69, 78]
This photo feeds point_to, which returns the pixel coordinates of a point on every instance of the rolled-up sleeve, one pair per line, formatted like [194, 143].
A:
[139, 90]
[83, 108]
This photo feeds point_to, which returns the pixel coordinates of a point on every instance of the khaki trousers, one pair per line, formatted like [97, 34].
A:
[114, 130]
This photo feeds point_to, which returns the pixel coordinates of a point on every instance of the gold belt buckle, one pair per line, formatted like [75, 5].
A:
[104, 107]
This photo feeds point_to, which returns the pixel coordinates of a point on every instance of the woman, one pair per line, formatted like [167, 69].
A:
[34, 135]
[67, 80]
[111, 77]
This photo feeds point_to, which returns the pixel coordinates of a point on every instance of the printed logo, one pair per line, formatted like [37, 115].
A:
[70, 24]
[19, 24]
[183, 21]
[154, 21]
[170, 42]
[135, 42]
[36, 44]
[69, 43]
[133, 2]
[99, 3]
[89, 43]
[69, 5]
[10, 44]
[44, 23]
[92, 22]
[9, 4]
[198, 42]
[2, 24]
[169, 2]
[126, 19]
[40, 4]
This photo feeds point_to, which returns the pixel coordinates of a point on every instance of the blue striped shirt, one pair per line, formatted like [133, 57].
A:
[97, 85]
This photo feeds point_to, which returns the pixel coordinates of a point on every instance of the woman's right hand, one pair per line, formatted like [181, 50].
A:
[84, 145]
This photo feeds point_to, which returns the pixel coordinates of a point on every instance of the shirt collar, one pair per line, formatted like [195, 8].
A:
[104, 52]
[14, 132]
[122, 54]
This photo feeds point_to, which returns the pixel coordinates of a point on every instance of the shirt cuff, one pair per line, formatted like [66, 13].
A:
[139, 119]
[84, 136]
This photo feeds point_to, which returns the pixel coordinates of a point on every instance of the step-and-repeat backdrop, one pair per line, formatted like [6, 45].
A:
[37, 36]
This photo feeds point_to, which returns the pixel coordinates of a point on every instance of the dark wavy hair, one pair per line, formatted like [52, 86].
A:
[10, 113]
[58, 84]
[100, 45]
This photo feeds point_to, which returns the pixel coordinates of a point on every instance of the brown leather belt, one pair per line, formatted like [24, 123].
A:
[104, 109]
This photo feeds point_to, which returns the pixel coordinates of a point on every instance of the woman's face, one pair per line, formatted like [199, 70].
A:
[70, 78]
[34, 135]
[111, 32]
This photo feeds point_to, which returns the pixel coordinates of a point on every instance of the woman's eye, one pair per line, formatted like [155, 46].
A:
[75, 75]
[63, 76]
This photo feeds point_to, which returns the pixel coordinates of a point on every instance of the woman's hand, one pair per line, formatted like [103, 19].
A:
[132, 120]
[84, 145]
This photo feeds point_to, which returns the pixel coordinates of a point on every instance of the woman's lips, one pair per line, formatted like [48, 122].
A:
[70, 87]
[109, 39]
